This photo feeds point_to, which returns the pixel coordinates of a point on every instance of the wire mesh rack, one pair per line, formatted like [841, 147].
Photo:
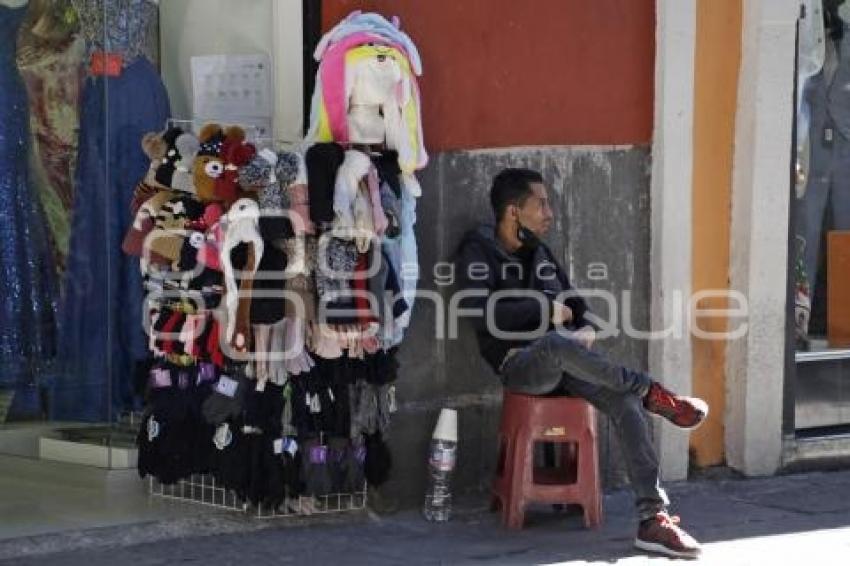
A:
[202, 489]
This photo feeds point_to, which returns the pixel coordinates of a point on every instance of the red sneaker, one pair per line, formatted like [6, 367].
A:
[662, 535]
[684, 412]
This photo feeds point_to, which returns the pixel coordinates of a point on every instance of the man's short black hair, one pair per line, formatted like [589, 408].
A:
[512, 186]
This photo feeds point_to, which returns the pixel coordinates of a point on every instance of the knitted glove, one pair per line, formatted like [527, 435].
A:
[297, 359]
[277, 358]
[300, 291]
[336, 259]
[220, 406]
[342, 335]
[311, 250]
[299, 210]
[262, 350]
[364, 409]
[364, 224]
[286, 169]
[355, 343]
[353, 169]
[379, 218]
[241, 341]
[258, 173]
[296, 256]
[322, 161]
[337, 453]
[379, 460]
[355, 479]
[315, 469]
[392, 209]
[324, 343]
[370, 343]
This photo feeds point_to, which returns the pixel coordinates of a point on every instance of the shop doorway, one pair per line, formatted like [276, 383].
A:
[819, 237]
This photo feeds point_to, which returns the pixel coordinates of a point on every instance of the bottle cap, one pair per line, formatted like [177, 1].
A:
[446, 428]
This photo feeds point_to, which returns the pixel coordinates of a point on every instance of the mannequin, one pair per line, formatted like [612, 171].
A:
[123, 98]
[827, 99]
[811, 51]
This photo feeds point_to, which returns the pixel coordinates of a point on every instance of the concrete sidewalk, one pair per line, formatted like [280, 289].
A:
[786, 520]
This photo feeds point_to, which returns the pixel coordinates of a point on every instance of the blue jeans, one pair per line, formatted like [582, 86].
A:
[557, 364]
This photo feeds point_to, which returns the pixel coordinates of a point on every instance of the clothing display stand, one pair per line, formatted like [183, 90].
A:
[256, 246]
[183, 450]
[202, 489]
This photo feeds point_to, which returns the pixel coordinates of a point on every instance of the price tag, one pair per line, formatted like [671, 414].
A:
[160, 377]
[319, 455]
[153, 429]
[227, 386]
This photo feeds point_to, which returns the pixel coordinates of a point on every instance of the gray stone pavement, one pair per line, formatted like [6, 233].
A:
[785, 520]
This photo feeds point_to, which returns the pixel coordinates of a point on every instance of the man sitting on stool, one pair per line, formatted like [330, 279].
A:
[556, 356]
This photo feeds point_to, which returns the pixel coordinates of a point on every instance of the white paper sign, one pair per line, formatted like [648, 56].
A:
[233, 88]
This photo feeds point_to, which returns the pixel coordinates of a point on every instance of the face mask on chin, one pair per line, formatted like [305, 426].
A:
[527, 238]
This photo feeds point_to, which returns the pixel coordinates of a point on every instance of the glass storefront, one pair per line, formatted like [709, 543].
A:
[160, 248]
[821, 219]
[77, 94]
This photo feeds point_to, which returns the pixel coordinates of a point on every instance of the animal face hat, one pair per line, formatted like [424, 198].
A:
[172, 153]
[235, 153]
[216, 169]
[371, 48]
[259, 173]
[208, 166]
[241, 226]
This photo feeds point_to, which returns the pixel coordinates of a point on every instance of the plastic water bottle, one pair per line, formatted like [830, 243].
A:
[441, 463]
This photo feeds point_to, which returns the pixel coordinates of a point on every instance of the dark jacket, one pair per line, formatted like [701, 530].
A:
[483, 264]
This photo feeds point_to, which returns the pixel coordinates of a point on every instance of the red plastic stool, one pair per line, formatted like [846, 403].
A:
[528, 419]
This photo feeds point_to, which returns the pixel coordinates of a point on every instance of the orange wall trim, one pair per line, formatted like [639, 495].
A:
[716, 68]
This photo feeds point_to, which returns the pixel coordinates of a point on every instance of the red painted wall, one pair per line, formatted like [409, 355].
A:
[533, 72]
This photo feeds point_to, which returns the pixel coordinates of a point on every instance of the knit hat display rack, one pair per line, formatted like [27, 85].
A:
[202, 489]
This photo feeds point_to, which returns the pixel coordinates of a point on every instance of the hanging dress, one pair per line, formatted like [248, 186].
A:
[101, 334]
[27, 296]
[54, 75]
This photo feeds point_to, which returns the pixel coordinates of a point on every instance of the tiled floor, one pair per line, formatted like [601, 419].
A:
[29, 508]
